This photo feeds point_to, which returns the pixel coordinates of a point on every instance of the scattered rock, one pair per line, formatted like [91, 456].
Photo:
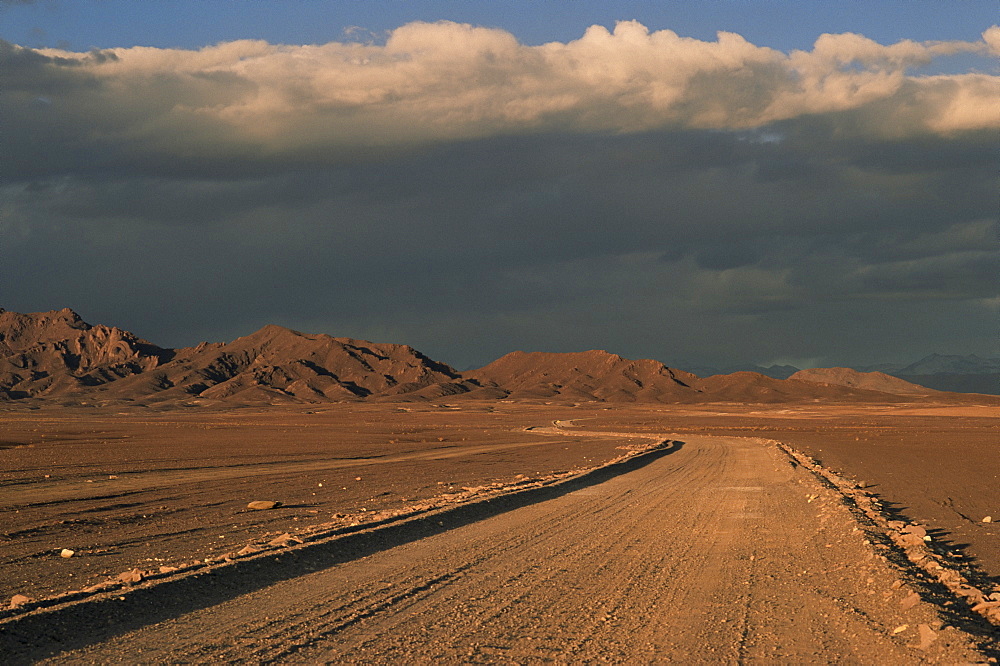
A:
[949, 577]
[973, 594]
[166, 569]
[66, 552]
[263, 505]
[19, 600]
[132, 577]
[909, 601]
[284, 541]
[988, 519]
[927, 636]
[900, 629]
[248, 550]
[916, 530]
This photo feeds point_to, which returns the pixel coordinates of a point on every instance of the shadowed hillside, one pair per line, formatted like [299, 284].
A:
[56, 356]
[57, 353]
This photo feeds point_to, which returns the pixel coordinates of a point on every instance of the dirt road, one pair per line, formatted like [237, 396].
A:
[721, 552]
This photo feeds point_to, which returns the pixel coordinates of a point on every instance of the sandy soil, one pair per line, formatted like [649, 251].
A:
[938, 466]
[126, 490]
[716, 546]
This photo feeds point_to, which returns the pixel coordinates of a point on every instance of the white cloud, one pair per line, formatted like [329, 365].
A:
[446, 81]
[992, 38]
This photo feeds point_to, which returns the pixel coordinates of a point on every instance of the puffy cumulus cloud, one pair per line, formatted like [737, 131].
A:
[992, 38]
[254, 102]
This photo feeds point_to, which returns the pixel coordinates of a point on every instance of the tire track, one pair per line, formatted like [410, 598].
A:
[720, 552]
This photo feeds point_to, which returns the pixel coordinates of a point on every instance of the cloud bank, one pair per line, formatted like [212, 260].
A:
[453, 189]
[445, 81]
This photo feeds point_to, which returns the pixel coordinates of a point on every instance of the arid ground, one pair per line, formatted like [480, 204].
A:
[645, 560]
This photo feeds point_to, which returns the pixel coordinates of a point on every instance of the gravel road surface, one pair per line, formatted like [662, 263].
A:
[720, 552]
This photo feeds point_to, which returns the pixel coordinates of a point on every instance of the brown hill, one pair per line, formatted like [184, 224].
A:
[57, 353]
[753, 387]
[589, 375]
[873, 381]
[599, 375]
[279, 364]
[57, 356]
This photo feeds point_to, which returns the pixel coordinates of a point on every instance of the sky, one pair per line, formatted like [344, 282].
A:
[706, 184]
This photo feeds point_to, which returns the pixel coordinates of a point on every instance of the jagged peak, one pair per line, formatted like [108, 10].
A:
[70, 313]
[65, 314]
[270, 332]
[275, 329]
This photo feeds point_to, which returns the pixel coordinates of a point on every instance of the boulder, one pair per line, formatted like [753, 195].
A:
[263, 505]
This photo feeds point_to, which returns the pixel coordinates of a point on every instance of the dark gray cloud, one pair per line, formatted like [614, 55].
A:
[141, 194]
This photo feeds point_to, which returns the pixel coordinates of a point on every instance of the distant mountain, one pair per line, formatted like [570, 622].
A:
[589, 375]
[279, 364]
[773, 371]
[940, 372]
[949, 372]
[935, 364]
[50, 353]
[599, 375]
[988, 384]
[753, 387]
[872, 381]
[58, 357]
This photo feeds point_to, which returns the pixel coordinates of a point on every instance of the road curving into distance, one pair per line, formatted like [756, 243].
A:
[721, 551]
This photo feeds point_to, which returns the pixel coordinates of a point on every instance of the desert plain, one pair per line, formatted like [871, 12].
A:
[744, 197]
[122, 527]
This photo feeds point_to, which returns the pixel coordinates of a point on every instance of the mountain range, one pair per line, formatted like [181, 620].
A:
[57, 357]
[943, 372]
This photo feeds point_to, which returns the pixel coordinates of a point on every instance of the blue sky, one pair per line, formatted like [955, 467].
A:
[780, 24]
[525, 181]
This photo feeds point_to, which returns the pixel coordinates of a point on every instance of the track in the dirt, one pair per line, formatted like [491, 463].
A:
[62, 491]
[715, 553]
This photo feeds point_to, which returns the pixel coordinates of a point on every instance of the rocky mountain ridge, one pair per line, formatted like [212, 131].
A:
[57, 352]
[942, 372]
[56, 356]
